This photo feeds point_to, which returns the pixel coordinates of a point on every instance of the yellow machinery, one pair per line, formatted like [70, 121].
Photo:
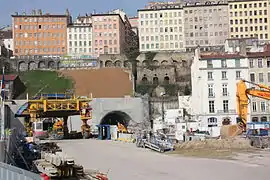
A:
[59, 105]
[121, 128]
[242, 92]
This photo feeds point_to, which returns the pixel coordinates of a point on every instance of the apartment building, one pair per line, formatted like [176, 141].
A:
[249, 18]
[259, 72]
[79, 38]
[214, 77]
[108, 34]
[206, 25]
[161, 28]
[134, 22]
[40, 34]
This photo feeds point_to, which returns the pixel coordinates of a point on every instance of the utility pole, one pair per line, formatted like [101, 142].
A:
[3, 106]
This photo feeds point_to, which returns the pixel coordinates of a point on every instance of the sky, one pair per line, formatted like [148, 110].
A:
[76, 7]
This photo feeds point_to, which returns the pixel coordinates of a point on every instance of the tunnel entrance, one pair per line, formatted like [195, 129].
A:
[115, 117]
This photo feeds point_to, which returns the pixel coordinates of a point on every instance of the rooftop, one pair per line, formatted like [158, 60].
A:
[5, 34]
[9, 77]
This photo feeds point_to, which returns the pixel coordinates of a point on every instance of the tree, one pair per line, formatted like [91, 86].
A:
[187, 90]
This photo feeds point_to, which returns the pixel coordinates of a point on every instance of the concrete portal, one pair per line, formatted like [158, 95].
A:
[115, 117]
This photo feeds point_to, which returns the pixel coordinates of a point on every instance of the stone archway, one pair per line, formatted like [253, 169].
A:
[41, 65]
[32, 65]
[108, 63]
[115, 117]
[51, 65]
[127, 64]
[22, 66]
[118, 64]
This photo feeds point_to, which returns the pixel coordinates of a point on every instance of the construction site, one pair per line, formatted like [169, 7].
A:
[104, 131]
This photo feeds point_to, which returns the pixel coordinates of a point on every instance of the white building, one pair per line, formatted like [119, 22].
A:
[161, 28]
[79, 37]
[214, 79]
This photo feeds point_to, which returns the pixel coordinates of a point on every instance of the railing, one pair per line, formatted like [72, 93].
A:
[226, 111]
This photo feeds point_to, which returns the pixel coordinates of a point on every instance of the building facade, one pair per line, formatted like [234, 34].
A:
[108, 34]
[214, 78]
[40, 34]
[79, 38]
[259, 64]
[206, 25]
[134, 22]
[161, 28]
[249, 18]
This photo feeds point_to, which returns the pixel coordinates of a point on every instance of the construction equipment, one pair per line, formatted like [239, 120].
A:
[121, 128]
[58, 129]
[242, 93]
[57, 106]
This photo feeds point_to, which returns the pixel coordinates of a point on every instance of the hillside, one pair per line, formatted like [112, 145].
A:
[104, 82]
[38, 81]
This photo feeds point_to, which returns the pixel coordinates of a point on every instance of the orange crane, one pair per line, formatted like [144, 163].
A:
[242, 93]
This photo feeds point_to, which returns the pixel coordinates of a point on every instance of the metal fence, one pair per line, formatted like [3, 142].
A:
[8, 172]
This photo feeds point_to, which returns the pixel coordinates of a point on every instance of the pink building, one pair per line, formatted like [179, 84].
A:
[108, 34]
[134, 22]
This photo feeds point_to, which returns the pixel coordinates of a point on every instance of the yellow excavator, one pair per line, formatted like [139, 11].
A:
[242, 93]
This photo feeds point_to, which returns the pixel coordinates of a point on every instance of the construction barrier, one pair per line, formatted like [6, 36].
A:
[125, 137]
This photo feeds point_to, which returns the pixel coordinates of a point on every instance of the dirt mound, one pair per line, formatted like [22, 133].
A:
[102, 83]
[218, 144]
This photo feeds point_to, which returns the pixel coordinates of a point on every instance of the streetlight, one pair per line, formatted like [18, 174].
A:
[162, 94]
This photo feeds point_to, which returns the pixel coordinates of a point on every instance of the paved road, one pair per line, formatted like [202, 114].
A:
[126, 162]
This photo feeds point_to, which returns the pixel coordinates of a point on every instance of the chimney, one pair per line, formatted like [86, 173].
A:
[242, 47]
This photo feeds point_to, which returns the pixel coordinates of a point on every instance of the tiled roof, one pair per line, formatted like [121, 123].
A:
[258, 54]
[5, 34]
[9, 77]
[102, 83]
[220, 56]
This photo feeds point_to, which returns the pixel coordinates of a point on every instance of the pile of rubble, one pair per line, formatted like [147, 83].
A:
[217, 144]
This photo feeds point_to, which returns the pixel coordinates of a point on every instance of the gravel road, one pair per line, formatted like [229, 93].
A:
[127, 162]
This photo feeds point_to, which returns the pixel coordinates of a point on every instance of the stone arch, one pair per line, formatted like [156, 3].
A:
[115, 117]
[263, 119]
[255, 119]
[51, 65]
[22, 66]
[127, 64]
[59, 65]
[101, 64]
[155, 63]
[32, 65]
[155, 80]
[41, 65]
[164, 62]
[166, 80]
[144, 63]
[118, 63]
[108, 63]
[144, 80]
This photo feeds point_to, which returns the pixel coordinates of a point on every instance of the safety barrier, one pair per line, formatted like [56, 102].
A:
[124, 137]
[8, 172]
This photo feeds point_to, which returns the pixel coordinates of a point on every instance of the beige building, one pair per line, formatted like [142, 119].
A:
[249, 19]
[206, 25]
[161, 28]
[40, 34]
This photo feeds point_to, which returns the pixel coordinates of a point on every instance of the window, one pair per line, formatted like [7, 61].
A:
[210, 90]
[251, 65]
[223, 63]
[238, 74]
[263, 107]
[237, 63]
[268, 62]
[224, 89]
[209, 64]
[224, 75]
[210, 75]
[252, 77]
[211, 106]
[260, 77]
[260, 63]
[254, 106]
[225, 106]
[212, 121]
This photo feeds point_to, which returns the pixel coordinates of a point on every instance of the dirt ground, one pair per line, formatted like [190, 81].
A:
[126, 161]
[102, 83]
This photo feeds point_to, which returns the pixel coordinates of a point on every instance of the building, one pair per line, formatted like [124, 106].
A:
[161, 28]
[259, 64]
[79, 37]
[134, 22]
[40, 34]
[206, 25]
[108, 34]
[6, 37]
[249, 18]
[214, 77]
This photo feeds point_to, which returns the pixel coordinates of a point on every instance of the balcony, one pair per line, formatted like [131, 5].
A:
[230, 111]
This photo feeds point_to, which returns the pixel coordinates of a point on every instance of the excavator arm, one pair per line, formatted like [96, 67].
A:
[243, 100]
